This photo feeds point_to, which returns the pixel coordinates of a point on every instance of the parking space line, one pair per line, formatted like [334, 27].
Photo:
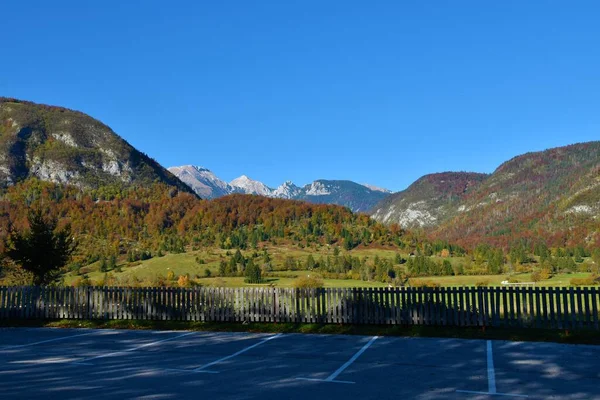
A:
[47, 341]
[87, 360]
[203, 368]
[491, 377]
[331, 378]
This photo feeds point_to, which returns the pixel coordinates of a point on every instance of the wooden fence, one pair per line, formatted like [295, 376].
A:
[558, 308]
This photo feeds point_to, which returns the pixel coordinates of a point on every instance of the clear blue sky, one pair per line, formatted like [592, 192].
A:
[373, 91]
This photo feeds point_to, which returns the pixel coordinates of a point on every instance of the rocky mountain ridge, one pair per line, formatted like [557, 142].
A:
[359, 198]
[64, 146]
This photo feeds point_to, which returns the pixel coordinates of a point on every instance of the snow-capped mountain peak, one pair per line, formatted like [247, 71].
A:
[250, 186]
[287, 190]
[346, 193]
[202, 181]
[317, 189]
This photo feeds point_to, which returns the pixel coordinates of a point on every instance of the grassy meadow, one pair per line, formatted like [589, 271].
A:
[202, 267]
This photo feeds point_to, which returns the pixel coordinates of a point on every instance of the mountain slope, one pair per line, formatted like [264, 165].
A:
[429, 200]
[551, 196]
[358, 198]
[65, 146]
[202, 181]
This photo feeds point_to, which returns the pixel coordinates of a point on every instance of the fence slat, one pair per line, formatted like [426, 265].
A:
[595, 298]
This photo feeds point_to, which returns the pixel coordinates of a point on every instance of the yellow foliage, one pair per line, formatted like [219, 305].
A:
[545, 273]
[184, 281]
[417, 283]
[309, 282]
[589, 281]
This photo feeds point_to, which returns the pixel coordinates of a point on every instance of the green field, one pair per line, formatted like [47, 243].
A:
[185, 263]
[146, 272]
[495, 280]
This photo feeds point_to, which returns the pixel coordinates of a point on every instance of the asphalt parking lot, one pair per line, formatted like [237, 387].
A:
[73, 363]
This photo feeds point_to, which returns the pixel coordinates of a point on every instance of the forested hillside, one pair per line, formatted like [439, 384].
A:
[158, 219]
[551, 196]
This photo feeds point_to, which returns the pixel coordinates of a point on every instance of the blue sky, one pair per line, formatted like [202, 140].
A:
[379, 92]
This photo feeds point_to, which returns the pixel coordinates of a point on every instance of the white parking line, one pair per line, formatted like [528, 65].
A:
[331, 378]
[203, 368]
[87, 360]
[491, 376]
[48, 341]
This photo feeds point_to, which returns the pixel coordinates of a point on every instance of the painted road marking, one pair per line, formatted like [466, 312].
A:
[491, 377]
[203, 368]
[331, 378]
[87, 360]
[47, 341]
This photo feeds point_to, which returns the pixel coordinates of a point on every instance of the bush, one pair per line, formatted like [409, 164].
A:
[417, 283]
[588, 281]
[184, 281]
[207, 273]
[170, 276]
[482, 283]
[308, 282]
[545, 273]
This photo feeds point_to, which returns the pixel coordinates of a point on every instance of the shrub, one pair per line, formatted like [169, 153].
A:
[207, 273]
[588, 281]
[482, 283]
[417, 283]
[184, 281]
[309, 282]
[545, 273]
[170, 275]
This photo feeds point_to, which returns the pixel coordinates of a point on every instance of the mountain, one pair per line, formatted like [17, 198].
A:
[287, 190]
[551, 196]
[202, 181]
[243, 184]
[432, 198]
[377, 188]
[64, 146]
[359, 198]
